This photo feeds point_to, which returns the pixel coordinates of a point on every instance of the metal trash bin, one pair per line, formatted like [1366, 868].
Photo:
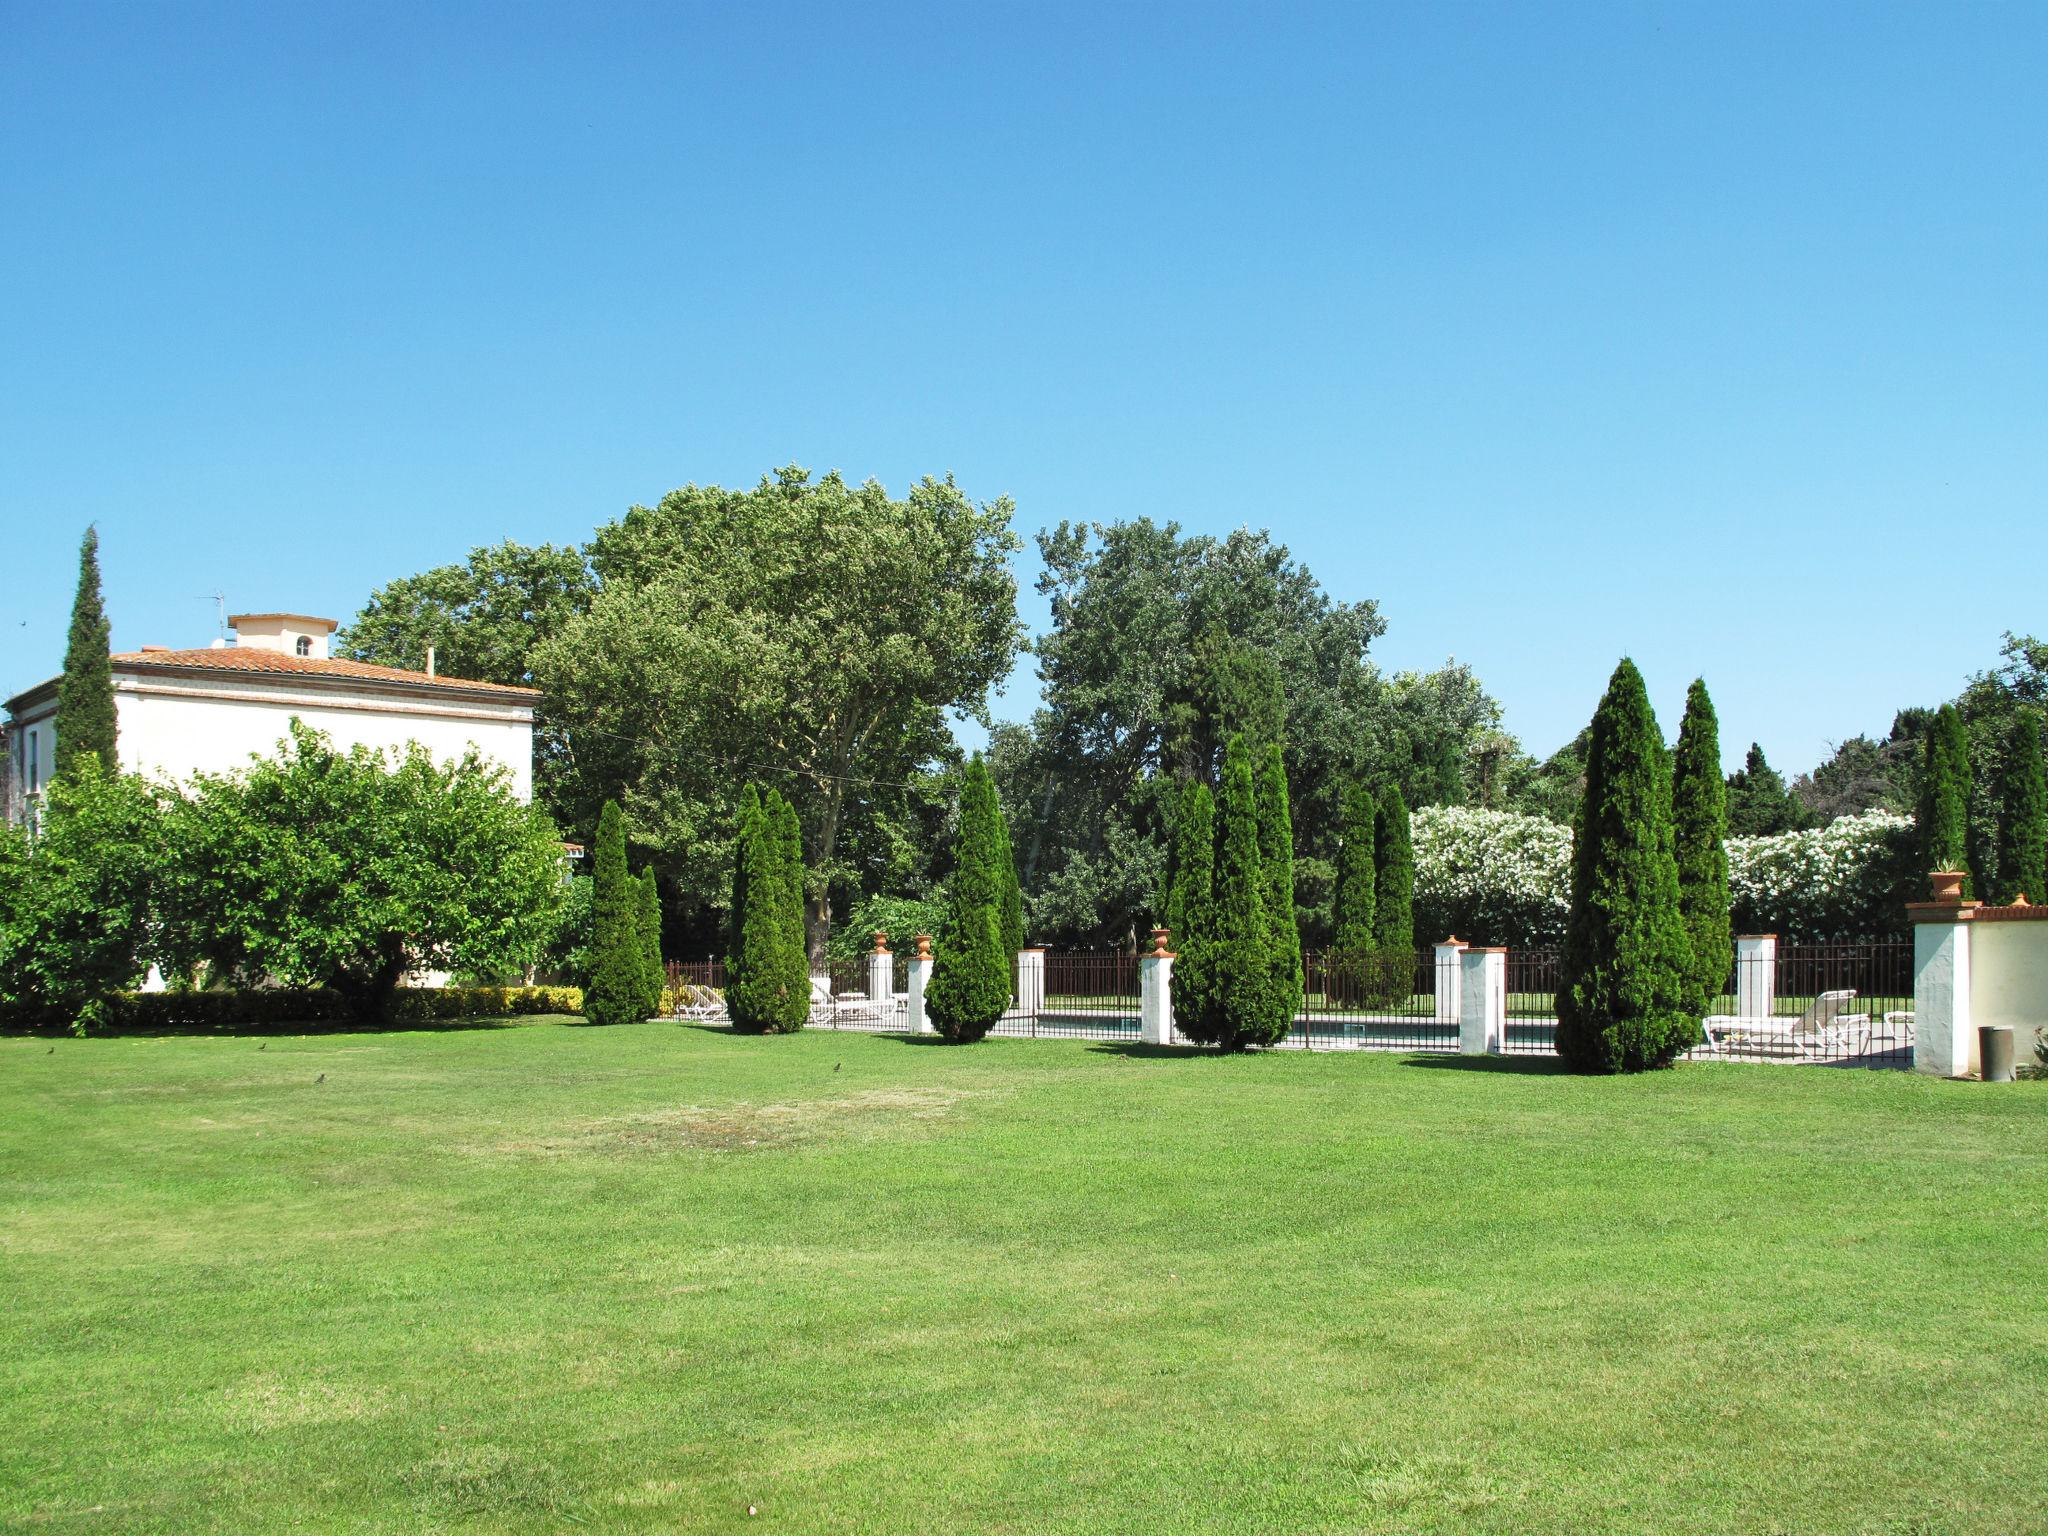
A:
[1994, 1052]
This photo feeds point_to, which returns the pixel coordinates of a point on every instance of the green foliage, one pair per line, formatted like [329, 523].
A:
[1699, 820]
[350, 869]
[85, 693]
[1945, 794]
[2023, 820]
[1245, 1003]
[1627, 964]
[1394, 875]
[1758, 804]
[75, 901]
[616, 991]
[813, 628]
[265, 1010]
[1352, 931]
[1276, 858]
[567, 950]
[653, 972]
[1190, 893]
[770, 988]
[483, 618]
[903, 918]
[972, 972]
[736, 914]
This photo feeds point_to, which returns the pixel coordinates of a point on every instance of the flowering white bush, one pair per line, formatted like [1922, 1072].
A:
[1493, 877]
[1490, 877]
[1847, 880]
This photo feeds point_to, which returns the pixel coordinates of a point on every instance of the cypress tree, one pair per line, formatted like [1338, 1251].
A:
[1944, 810]
[649, 914]
[2023, 816]
[736, 922]
[1627, 965]
[971, 977]
[1189, 893]
[772, 992]
[1699, 821]
[1351, 937]
[1393, 922]
[1276, 859]
[1243, 991]
[616, 990]
[85, 693]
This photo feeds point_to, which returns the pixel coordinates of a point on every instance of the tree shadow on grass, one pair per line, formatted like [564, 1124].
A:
[1522, 1066]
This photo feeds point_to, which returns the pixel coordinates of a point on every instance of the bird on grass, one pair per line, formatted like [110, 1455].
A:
[321, 1078]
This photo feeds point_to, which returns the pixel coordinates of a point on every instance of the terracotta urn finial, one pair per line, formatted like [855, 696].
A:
[1948, 886]
[1159, 938]
[881, 942]
[924, 946]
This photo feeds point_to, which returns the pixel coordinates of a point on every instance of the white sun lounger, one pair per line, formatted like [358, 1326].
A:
[1824, 1029]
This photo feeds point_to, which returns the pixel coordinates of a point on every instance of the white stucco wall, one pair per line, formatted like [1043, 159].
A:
[2009, 980]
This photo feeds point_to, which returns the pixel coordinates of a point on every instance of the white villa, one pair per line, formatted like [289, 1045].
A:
[183, 712]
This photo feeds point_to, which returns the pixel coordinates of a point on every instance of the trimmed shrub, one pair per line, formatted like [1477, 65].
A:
[1393, 922]
[295, 1010]
[972, 973]
[1945, 795]
[771, 990]
[1245, 1011]
[1190, 891]
[653, 972]
[1351, 907]
[1626, 974]
[736, 919]
[1276, 858]
[2023, 815]
[616, 992]
[1699, 825]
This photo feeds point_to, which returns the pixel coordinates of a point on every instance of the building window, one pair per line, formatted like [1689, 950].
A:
[305, 645]
[35, 766]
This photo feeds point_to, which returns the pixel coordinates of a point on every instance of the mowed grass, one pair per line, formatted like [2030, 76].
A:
[553, 1278]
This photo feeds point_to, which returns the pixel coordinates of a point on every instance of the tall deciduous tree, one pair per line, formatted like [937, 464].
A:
[971, 973]
[2023, 819]
[770, 991]
[85, 693]
[809, 629]
[1394, 877]
[1276, 858]
[616, 991]
[1190, 891]
[1627, 964]
[1699, 816]
[1945, 794]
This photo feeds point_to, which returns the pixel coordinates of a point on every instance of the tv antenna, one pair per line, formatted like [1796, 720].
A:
[220, 606]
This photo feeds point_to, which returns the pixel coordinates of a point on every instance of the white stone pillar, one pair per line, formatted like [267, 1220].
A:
[1483, 1002]
[1450, 971]
[1756, 975]
[881, 971]
[1944, 1035]
[1155, 992]
[920, 973]
[1031, 981]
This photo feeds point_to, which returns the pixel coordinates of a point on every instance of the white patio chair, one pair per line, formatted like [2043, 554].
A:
[1821, 1030]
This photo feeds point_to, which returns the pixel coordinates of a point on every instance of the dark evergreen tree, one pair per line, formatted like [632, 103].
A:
[616, 989]
[1699, 819]
[971, 979]
[1246, 1008]
[85, 693]
[1945, 795]
[1393, 922]
[1189, 893]
[1276, 860]
[1351, 938]
[772, 992]
[649, 914]
[736, 920]
[2023, 815]
[1759, 804]
[1627, 964]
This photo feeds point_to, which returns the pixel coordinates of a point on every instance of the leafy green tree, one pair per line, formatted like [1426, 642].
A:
[1553, 789]
[324, 868]
[771, 989]
[1699, 817]
[85, 693]
[1759, 805]
[76, 899]
[1945, 794]
[616, 992]
[1190, 914]
[2023, 824]
[649, 914]
[1627, 964]
[1394, 878]
[810, 629]
[1249, 1008]
[972, 973]
[483, 618]
[902, 918]
[1276, 860]
[1859, 775]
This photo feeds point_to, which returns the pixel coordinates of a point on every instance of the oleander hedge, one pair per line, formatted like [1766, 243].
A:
[255, 1010]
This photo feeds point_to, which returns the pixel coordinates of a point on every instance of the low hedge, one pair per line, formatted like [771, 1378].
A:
[258, 1009]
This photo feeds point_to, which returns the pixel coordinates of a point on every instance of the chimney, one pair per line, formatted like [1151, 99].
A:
[430, 661]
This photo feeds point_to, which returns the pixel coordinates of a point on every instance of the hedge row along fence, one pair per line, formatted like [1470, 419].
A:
[290, 1009]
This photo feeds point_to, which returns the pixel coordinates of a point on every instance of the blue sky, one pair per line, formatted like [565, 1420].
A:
[1716, 334]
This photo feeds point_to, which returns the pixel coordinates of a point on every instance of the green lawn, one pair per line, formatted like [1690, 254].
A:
[548, 1278]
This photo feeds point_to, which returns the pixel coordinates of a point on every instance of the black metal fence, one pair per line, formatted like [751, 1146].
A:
[1087, 996]
[1530, 1028]
[1401, 1002]
[1816, 1002]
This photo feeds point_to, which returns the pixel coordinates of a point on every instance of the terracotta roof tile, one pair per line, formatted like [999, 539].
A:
[251, 659]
